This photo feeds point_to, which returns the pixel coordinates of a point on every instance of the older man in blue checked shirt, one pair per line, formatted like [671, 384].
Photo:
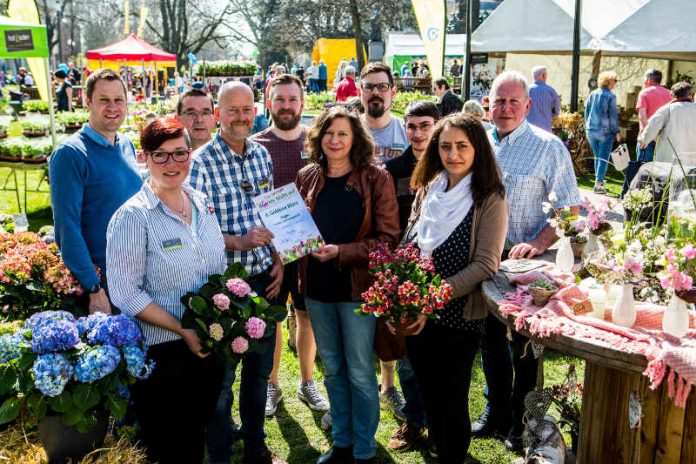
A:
[231, 170]
[535, 163]
[92, 174]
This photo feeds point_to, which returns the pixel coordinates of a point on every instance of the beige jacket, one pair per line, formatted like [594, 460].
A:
[488, 232]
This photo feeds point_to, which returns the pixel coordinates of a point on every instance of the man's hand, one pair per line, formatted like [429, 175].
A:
[524, 250]
[99, 302]
[618, 137]
[255, 238]
[273, 288]
[326, 253]
[194, 343]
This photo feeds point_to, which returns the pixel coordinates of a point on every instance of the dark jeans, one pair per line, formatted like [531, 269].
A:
[252, 396]
[500, 357]
[173, 405]
[413, 408]
[442, 360]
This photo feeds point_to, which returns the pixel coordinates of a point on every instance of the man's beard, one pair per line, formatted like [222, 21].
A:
[286, 124]
[376, 111]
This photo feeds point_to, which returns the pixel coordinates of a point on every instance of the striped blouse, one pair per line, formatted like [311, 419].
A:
[154, 256]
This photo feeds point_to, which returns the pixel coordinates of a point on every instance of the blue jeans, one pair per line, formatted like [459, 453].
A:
[645, 154]
[413, 409]
[344, 341]
[601, 143]
[256, 368]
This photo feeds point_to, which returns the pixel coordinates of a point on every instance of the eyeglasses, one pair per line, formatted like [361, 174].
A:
[381, 87]
[423, 127]
[195, 114]
[161, 157]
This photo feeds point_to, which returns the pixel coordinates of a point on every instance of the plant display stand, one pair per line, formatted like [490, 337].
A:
[9, 183]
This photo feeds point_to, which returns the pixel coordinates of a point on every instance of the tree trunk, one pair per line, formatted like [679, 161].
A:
[357, 31]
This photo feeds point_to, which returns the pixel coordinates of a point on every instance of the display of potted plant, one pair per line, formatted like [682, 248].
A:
[405, 287]
[34, 127]
[541, 290]
[567, 224]
[68, 375]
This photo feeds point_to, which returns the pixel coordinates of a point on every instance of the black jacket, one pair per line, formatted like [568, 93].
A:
[450, 104]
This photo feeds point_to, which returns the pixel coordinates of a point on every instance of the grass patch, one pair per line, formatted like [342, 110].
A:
[38, 209]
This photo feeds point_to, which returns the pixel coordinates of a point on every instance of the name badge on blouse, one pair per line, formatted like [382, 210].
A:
[304, 155]
[172, 244]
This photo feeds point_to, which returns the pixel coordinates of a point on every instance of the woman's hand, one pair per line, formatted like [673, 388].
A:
[194, 343]
[417, 326]
[618, 137]
[326, 253]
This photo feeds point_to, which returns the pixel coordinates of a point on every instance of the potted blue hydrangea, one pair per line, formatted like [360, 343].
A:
[68, 375]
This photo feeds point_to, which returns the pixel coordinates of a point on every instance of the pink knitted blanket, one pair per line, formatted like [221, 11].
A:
[666, 355]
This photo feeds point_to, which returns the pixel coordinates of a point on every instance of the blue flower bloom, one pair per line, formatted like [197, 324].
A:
[54, 335]
[96, 363]
[9, 347]
[86, 324]
[51, 373]
[43, 317]
[115, 331]
[135, 361]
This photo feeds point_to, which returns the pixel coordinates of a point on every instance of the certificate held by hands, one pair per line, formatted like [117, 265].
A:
[284, 213]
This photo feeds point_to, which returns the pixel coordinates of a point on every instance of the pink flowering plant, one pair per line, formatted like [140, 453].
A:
[405, 286]
[596, 219]
[33, 277]
[564, 221]
[229, 317]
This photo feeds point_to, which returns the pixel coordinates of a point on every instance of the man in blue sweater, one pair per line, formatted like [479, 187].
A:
[92, 174]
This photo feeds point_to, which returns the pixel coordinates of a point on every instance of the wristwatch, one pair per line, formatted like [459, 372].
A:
[94, 288]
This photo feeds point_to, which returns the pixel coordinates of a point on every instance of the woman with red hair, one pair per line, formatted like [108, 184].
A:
[162, 243]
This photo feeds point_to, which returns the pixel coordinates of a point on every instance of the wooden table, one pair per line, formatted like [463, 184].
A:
[666, 433]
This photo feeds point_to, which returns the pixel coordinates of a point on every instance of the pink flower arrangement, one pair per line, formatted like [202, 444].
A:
[676, 279]
[633, 266]
[238, 287]
[240, 345]
[221, 301]
[596, 214]
[255, 327]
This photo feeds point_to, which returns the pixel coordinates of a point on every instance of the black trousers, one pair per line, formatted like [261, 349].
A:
[442, 360]
[173, 405]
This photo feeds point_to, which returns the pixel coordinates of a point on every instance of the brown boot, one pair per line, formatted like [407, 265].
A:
[406, 437]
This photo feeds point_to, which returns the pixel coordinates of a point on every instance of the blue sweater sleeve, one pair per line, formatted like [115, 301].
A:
[67, 169]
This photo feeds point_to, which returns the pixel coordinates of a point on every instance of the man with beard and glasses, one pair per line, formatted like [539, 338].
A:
[92, 174]
[285, 141]
[231, 170]
[378, 91]
[196, 112]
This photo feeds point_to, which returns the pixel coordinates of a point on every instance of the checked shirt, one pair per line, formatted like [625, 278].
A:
[534, 164]
[231, 181]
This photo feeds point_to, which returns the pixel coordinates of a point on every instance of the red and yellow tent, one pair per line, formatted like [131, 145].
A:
[131, 51]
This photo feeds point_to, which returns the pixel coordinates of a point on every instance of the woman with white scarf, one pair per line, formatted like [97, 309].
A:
[459, 218]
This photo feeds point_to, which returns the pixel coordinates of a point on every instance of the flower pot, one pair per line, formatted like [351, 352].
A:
[37, 160]
[33, 133]
[402, 329]
[688, 295]
[72, 128]
[592, 246]
[578, 248]
[63, 442]
[675, 320]
[3, 135]
[541, 295]
[624, 311]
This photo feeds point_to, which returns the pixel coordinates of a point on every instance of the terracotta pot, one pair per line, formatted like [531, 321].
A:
[63, 443]
[402, 330]
[578, 248]
[28, 133]
[541, 295]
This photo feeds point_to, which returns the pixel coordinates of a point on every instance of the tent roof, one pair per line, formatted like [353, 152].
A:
[31, 45]
[131, 48]
[399, 44]
[536, 26]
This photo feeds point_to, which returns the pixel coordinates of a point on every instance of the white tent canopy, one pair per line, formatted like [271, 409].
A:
[399, 44]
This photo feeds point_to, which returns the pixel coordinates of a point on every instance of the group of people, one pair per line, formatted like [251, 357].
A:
[466, 197]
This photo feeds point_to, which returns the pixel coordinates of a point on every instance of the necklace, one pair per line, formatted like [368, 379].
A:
[183, 205]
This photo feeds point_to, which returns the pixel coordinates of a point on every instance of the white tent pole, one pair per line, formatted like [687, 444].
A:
[51, 113]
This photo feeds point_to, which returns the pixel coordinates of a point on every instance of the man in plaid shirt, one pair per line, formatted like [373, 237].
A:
[231, 170]
[535, 164]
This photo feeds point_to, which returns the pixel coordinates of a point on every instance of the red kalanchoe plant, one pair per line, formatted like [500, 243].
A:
[405, 285]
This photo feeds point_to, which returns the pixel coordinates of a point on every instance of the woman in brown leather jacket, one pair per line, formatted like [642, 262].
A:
[354, 206]
[459, 218]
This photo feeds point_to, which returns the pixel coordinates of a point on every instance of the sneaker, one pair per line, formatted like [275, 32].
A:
[292, 331]
[486, 426]
[326, 422]
[513, 442]
[309, 393]
[394, 401]
[337, 455]
[405, 437]
[264, 458]
[274, 395]
[599, 188]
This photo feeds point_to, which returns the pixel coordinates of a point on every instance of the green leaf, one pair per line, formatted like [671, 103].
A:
[8, 379]
[9, 410]
[188, 319]
[36, 403]
[202, 325]
[73, 416]
[199, 305]
[86, 424]
[208, 290]
[117, 406]
[276, 312]
[86, 396]
[260, 302]
[26, 361]
[62, 402]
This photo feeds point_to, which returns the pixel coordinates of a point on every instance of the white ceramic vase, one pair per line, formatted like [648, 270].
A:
[564, 256]
[624, 311]
[675, 320]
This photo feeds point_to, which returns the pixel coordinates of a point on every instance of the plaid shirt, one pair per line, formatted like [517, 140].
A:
[534, 164]
[222, 176]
